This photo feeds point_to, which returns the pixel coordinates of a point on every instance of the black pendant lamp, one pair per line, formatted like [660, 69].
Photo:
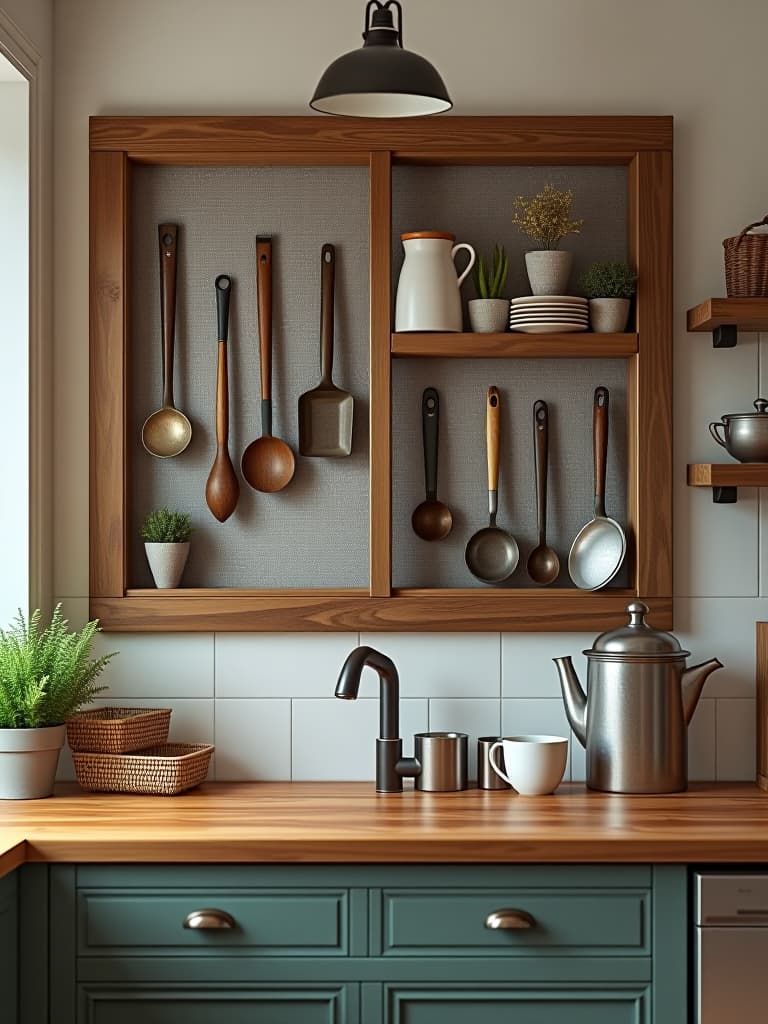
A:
[381, 79]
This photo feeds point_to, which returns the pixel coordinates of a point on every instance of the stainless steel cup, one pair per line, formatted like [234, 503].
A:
[443, 760]
[486, 776]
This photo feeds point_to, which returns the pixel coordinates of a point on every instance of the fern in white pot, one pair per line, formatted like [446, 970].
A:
[46, 675]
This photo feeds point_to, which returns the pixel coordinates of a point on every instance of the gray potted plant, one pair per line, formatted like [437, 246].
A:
[609, 286]
[45, 677]
[489, 311]
[546, 218]
[166, 541]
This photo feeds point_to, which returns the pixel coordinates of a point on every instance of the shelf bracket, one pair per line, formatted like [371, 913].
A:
[724, 336]
[725, 495]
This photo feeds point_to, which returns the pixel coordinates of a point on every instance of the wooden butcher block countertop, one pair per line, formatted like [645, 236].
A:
[350, 822]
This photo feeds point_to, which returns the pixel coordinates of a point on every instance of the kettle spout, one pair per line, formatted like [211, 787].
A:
[574, 698]
[693, 683]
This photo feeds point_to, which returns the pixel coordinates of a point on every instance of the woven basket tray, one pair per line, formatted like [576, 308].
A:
[118, 730]
[162, 770]
[746, 263]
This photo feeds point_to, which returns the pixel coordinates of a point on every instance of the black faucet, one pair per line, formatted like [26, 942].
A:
[391, 766]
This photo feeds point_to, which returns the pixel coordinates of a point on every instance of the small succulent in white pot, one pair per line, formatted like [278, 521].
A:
[489, 311]
[609, 286]
[546, 219]
[166, 541]
[45, 677]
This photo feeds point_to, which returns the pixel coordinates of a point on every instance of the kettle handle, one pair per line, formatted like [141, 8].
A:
[472, 257]
[713, 431]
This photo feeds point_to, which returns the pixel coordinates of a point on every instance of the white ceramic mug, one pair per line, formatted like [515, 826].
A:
[535, 764]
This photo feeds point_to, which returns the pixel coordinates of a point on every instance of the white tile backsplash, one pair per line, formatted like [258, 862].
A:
[336, 739]
[735, 739]
[527, 669]
[701, 741]
[253, 739]
[273, 665]
[158, 666]
[442, 664]
[716, 628]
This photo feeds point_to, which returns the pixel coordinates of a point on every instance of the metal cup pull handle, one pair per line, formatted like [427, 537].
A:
[510, 918]
[209, 920]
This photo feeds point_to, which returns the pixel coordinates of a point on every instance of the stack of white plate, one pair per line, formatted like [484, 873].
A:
[549, 314]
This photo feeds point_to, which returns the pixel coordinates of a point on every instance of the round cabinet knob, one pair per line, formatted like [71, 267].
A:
[209, 920]
[510, 918]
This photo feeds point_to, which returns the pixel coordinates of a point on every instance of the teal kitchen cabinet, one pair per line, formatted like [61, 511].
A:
[9, 947]
[365, 944]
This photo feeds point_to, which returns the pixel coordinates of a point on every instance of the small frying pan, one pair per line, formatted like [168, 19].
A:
[598, 551]
[492, 554]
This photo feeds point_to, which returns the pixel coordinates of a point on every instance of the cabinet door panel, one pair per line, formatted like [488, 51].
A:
[159, 1004]
[458, 1004]
[9, 937]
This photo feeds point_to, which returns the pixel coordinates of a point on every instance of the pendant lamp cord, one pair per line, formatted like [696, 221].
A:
[384, 7]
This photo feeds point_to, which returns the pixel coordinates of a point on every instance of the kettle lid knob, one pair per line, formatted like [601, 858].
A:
[637, 612]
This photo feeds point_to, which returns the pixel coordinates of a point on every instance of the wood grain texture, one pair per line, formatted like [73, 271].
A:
[747, 314]
[13, 851]
[380, 497]
[221, 136]
[412, 611]
[728, 474]
[350, 823]
[761, 709]
[515, 346]
[649, 387]
[108, 330]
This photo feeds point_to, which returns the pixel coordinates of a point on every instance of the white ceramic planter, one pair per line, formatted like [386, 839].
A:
[28, 761]
[167, 562]
[548, 271]
[608, 316]
[488, 316]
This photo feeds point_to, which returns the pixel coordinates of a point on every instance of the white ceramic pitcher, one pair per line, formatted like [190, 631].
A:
[428, 296]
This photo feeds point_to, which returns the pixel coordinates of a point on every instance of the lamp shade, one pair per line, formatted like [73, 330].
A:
[381, 79]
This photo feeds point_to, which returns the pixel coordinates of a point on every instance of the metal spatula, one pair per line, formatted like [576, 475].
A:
[325, 412]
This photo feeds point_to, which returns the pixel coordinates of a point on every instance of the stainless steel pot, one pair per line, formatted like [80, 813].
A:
[640, 702]
[745, 434]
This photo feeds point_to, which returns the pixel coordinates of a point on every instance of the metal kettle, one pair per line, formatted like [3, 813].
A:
[640, 699]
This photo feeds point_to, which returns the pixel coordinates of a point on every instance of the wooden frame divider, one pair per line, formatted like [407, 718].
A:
[644, 144]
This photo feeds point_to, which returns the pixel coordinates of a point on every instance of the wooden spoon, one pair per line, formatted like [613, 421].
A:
[268, 463]
[222, 488]
[167, 432]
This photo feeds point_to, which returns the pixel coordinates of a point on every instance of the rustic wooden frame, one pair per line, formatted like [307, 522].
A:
[643, 144]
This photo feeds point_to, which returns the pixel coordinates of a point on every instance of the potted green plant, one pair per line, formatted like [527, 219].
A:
[488, 313]
[45, 677]
[546, 218]
[609, 286]
[166, 541]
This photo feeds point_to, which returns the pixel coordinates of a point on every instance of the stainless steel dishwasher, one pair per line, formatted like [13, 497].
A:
[731, 947]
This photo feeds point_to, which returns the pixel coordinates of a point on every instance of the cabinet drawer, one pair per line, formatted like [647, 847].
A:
[267, 921]
[452, 922]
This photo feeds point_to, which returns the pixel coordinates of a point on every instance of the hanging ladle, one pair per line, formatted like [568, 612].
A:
[167, 432]
[222, 488]
[543, 563]
[431, 520]
[492, 554]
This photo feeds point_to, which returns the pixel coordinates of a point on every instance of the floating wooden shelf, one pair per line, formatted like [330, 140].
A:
[725, 478]
[726, 317]
[510, 345]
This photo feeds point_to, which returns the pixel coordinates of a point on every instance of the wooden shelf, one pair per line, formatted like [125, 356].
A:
[725, 478]
[726, 317]
[407, 610]
[510, 345]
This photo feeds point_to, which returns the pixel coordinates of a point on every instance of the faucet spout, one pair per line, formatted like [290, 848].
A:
[348, 686]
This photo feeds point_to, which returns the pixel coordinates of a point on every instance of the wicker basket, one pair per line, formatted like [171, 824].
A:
[746, 264]
[118, 730]
[159, 771]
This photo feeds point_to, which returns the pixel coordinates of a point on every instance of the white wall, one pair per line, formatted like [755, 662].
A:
[265, 700]
[14, 332]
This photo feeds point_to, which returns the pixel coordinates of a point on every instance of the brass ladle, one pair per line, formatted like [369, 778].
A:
[167, 432]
